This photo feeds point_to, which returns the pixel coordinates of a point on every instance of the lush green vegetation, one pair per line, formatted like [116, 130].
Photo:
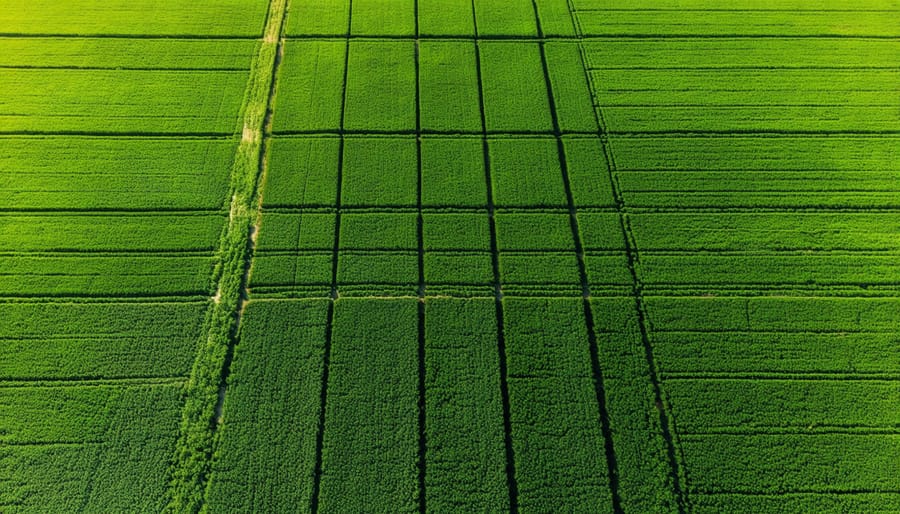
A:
[449, 255]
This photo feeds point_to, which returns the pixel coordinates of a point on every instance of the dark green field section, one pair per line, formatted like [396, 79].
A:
[527, 256]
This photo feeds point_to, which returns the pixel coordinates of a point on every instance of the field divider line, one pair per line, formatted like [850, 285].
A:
[674, 453]
[420, 241]
[315, 494]
[204, 393]
[612, 466]
[511, 482]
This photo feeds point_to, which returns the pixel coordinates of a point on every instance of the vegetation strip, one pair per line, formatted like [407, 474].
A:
[194, 448]
[609, 450]
[498, 293]
[632, 256]
[320, 433]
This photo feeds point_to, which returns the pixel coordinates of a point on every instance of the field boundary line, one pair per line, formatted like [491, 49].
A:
[612, 466]
[194, 451]
[315, 494]
[511, 483]
[672, 448]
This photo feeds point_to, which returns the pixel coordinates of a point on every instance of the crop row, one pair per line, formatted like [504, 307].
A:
[762, 22]
[761, 406]
[383, 172]
[87, 448]
[775, 464]
[435, 18]
[67, 275]
[104, 232]
[762, 232]
[380, 90]
[102, 340]
[690, 352]
[370, 443]
[113, 173]
[535, 232]
[134, 17]
[111, 53]
[761, 270]
[773, 116]
[773, 314]
[441, 268]
[771, 52]
[111, 101]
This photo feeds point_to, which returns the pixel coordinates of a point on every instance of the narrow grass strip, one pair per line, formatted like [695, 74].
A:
[191, 463]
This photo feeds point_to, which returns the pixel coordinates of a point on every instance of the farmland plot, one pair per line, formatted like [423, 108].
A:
[437, 255]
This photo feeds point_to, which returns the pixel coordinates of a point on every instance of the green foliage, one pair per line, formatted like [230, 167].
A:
[457, 268]
[114, 173]
[560, 460]
[86, 275]
[465, 455]
[105, 232]
[381, 86]
[453, 173]
[318, 18]
[456, 232]
[448, 86]
[526, 173]
[190, 465]
[78, 447]
[645, 484]
[545, 269]
[383, 18]
[751, 271]
[600, 231]
[370, 443]
[534, 232]
[296, 232]
[310, 99]
[697, 352]
[515, 99]
[737, 20]
[308, 270]
[272, 406]
[768, 231]
[187, 54]
[102, 340]
[571, 91]
[371, 270]
[588, 173]
[556, 20]
[778, 464]
[380, 172]
[396, 231]
[446, 18]
[302, 172]
[770, 406]
[505, 18]
[113, 101]
[729, 52]
[135, 17]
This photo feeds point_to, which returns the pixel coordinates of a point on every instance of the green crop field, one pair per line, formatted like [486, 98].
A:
[439, 256]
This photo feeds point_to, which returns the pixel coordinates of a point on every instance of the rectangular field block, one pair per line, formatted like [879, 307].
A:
[380, 172]
[453, 173]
